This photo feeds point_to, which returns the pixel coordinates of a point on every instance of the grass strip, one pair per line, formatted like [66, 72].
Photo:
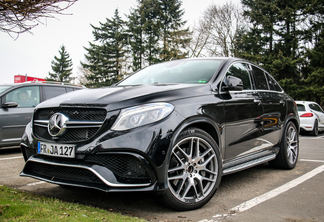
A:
[17, 205]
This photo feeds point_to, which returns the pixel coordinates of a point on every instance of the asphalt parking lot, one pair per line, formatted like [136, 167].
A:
[257, 194]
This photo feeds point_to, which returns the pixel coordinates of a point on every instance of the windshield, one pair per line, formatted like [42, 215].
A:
[179, 71]
[4, 87]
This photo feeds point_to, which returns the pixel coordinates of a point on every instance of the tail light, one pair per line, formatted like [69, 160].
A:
[307, 115]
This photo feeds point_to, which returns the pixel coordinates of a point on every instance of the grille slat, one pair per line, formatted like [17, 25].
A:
[73, 113]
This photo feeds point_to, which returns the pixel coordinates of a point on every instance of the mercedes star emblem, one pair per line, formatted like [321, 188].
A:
[57, 124]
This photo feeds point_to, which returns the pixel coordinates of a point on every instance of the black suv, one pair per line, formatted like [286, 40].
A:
[17, 104]
[175, 128]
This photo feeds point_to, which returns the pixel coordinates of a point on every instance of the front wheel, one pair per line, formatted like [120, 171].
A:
[193, 172]
[289, 149]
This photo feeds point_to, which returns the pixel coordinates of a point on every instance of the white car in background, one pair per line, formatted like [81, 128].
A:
[311, 117]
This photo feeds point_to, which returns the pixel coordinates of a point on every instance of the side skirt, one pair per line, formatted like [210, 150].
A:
[247, 162]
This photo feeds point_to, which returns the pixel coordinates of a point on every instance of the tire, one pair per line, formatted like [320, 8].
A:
[315, 129]
[289, 149]
[194, 171]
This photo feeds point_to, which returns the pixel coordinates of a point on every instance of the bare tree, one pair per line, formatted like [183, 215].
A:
[199, 40]
[215, 34]
[19, 16]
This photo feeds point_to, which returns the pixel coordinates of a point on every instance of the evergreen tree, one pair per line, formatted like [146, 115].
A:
[285, 38]
[135, 37]
[105, 59]
[174, 37]
[156, 33]
[313, 87]
[62, 67]
[273, 38]
[150, 12]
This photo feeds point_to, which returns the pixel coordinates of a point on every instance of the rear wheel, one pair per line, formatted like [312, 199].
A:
[194, 171]
[289, 149]
[315, 129]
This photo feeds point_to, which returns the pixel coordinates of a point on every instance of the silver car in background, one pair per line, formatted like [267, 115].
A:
[17, 103]
[311, 117]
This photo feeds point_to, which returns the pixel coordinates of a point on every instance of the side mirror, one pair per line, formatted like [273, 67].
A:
[233, 83]
[9, 105]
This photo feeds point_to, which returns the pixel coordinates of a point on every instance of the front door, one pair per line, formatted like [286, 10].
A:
[14, 120]
[242, 110]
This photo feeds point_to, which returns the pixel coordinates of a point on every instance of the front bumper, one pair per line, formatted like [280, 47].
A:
[107, 172]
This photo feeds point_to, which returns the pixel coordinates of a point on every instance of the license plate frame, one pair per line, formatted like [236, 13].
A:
[55, 149]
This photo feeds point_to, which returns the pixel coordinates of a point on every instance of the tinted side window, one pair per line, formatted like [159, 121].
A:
[260, 79]
[24, 96]
[239, 70]
[273, 85]
[52, 91]
[301, 107]
[315, 107]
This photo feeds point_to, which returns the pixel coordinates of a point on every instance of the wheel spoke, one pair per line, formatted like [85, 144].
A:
[208, 160]
[183, 152]
[176, 169]
[202, 156]
[209, 171]
[181, 186]
[177, 177]
[187, 188]
[201, 187]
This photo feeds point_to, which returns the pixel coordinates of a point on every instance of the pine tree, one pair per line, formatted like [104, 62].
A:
[62, 67]
[150, 12]
[285, 38]
[135, 37]
[105, 59]
[174, 37]
[156, 33]
[275, 35]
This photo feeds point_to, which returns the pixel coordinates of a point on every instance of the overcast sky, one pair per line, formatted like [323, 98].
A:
[32, 54]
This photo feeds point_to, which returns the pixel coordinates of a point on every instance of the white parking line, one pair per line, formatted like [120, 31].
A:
[316, 161]
[36, 183]
[10, 158]
[273, 193]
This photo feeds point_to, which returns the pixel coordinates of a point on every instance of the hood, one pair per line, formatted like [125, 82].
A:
[123, 96]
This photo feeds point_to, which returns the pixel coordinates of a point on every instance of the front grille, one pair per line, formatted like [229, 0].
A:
[82, 132]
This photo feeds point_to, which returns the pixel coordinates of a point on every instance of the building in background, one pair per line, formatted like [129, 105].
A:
[25, 78]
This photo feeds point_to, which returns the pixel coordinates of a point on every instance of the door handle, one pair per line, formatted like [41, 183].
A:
[257, 101]
[282, 102]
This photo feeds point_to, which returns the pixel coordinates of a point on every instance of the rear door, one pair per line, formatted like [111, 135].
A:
[52, 91]
[274, 102]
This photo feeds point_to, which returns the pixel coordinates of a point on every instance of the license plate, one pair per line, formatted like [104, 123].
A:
[52, 149]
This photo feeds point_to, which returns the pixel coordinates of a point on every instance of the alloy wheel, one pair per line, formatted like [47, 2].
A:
[292, 144]
[193, 170]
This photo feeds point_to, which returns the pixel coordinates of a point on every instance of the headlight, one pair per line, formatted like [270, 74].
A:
[141, 115]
